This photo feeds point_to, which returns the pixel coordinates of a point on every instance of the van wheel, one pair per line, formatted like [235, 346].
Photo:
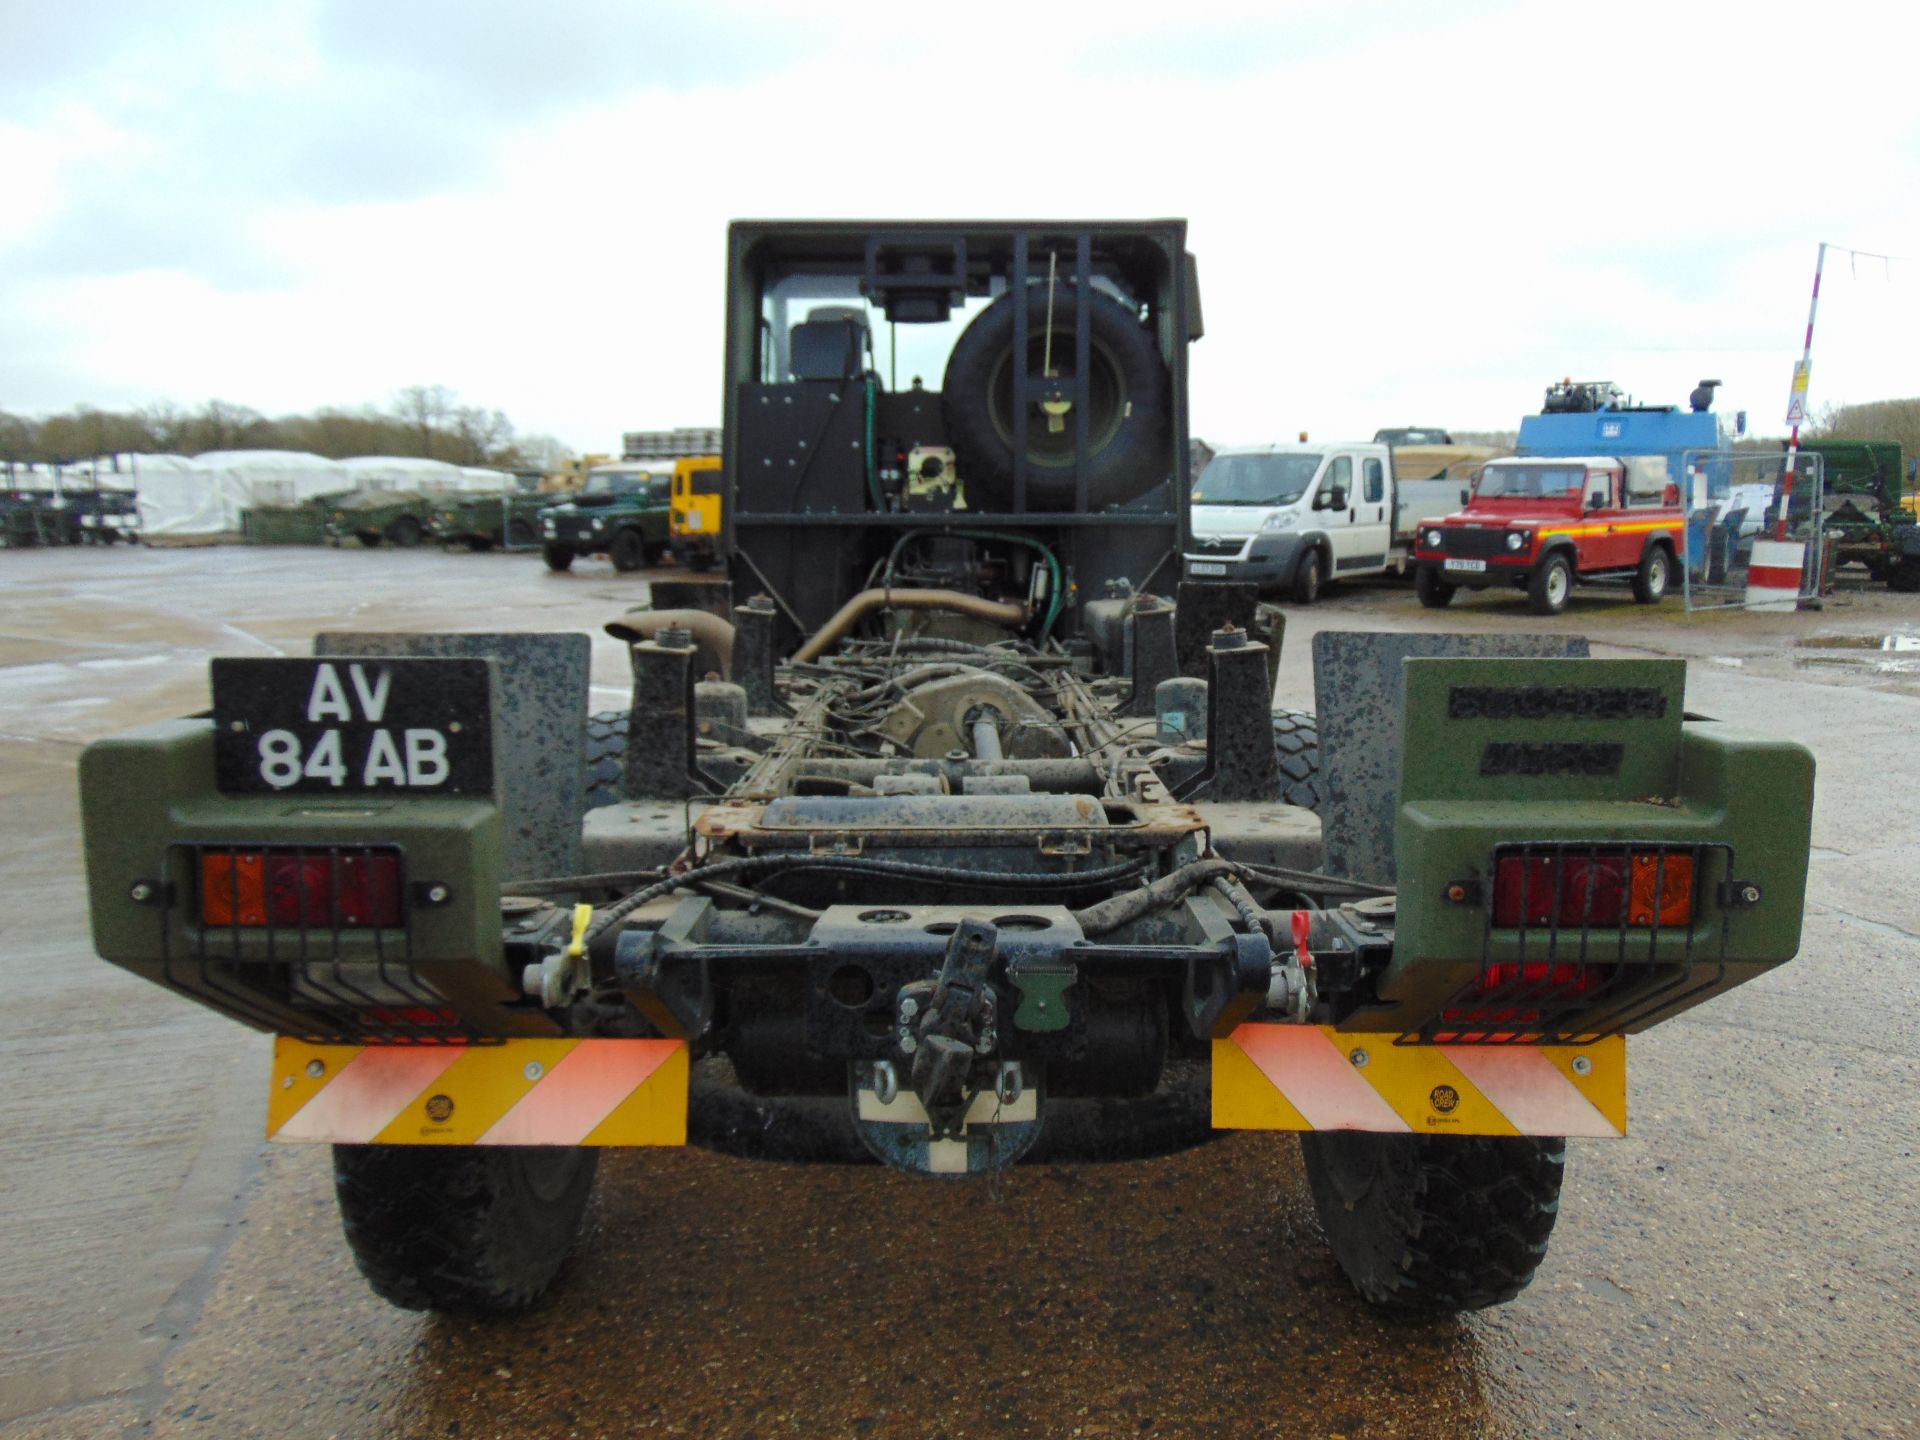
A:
[1552, 582]
[1306, 578]
[1655, 574]
[1434, 592]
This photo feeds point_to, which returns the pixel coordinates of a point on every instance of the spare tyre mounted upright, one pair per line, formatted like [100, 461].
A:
[1127, 400]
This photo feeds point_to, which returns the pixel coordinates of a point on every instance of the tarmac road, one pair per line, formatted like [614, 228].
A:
[1743, 1264]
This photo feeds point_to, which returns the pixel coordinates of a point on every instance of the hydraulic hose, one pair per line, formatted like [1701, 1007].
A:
[997, 612]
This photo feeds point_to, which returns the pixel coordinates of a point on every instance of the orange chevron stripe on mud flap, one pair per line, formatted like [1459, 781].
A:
[518, 1092]
[1307, 1077]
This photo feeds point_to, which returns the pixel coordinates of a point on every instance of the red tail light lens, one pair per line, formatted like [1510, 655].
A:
[354, 891]
[1525, 987]
[1575, 891]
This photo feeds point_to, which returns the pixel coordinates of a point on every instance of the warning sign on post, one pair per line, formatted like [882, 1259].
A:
[1797, 401]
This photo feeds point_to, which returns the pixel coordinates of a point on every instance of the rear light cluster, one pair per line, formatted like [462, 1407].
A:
[302, 888]
[1576, 891]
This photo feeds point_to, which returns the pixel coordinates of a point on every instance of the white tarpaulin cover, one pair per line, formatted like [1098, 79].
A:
[204, 494]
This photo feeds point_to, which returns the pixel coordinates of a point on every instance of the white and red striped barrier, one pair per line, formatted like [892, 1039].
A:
[1773, 577]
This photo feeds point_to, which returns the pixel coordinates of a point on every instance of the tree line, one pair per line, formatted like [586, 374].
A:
[423, 421]
[1897, 420]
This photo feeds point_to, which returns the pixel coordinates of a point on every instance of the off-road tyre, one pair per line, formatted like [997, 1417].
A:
[1655, 576]
[1434, 593]
[1307, 577]
[520, 533]
[558, 557]
[627, 551]
[1296, 745]
[368, 538]
[1904, 576]
[1550, 585]
[405, 532]
[657, 553]
[479, 544]
[1435, 1223]
[606, 756]
[480, 1230]
[1128, 393]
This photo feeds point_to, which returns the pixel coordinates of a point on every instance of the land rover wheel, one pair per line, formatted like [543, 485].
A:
[1434, 592]
[1437, 1223]
[1306, 578]
[558, 557]
[1550, 585]
[520, 533]
[628, 551]
[1654, 576]
[405, 532]
[461, 1228]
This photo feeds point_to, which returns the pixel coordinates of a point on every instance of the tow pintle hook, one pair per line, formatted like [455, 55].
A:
[948, 1022]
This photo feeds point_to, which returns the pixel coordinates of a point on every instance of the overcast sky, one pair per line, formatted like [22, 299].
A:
[1405, 213]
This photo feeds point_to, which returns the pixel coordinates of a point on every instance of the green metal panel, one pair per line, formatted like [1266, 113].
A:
[1512, 751]
[151, 789]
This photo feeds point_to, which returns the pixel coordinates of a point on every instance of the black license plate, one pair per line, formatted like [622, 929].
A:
[353, 727]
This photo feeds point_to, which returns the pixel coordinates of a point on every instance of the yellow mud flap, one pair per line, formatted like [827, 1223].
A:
[517, 1092]
[1314, 1077]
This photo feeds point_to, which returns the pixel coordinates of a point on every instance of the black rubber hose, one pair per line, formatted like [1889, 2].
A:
[1168, 890]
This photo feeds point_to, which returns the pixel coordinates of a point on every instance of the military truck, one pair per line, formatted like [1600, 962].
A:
[980, 852]
[622, 511]
[1865, 494]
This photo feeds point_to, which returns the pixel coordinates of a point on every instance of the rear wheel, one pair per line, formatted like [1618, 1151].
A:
[1550, 585]
[1306, 578]
[1296, 745]
[558, 557]
[405, 532]
[462, 1228]
[1434, 592]
[479, 544]
[520, 533]
[606, 756]
[1435, 1222]
[628, 551]
[368, 538]
[1654, 576]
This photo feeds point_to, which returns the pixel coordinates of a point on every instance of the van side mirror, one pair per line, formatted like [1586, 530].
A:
[1336, 498]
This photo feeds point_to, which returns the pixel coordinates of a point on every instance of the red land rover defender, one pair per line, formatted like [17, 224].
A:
[1542, 523]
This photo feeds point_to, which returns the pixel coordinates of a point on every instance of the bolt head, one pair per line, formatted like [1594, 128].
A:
[140, 893]
[1750, 894]
[437, 894]
[907, 1043]
[534, 1070]
[909, 1007]
[1359, 1058]
[316, 1068]
[1582, 1065]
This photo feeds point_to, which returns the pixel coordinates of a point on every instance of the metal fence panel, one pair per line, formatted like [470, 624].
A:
[1732, 498]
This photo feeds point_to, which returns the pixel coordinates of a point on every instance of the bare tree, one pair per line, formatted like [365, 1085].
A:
[424, 409]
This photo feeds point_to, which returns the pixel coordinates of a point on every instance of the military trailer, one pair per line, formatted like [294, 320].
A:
[401, 518]
[484, 522]
[983, 850]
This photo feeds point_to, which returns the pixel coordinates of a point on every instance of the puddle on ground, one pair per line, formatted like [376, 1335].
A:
[1900, 640]
[1864, 652]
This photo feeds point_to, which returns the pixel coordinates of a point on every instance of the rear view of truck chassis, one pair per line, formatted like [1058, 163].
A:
[947, 840]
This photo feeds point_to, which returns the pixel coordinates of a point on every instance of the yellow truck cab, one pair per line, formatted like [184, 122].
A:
[695, 524]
